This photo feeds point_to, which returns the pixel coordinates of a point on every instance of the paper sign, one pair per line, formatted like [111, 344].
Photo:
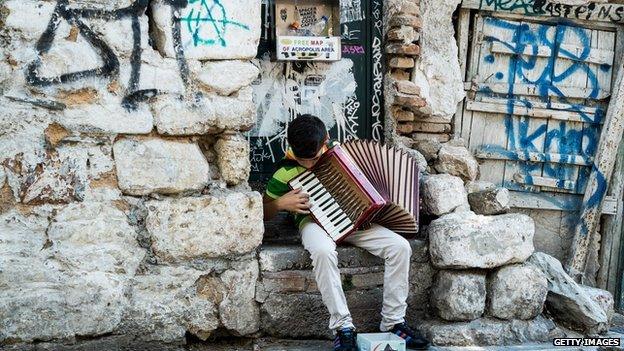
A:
[308, 48]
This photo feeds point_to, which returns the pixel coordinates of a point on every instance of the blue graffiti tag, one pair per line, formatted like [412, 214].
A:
[522, 136]
[210, 18]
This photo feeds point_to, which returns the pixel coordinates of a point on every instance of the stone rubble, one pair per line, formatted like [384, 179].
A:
[568, 302]
[491, 201]
[442, 193]
[457, 161]
[458, 295]
[467, 240]
[516, 292]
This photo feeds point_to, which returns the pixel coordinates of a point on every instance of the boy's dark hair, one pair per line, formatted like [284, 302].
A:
[306, 135]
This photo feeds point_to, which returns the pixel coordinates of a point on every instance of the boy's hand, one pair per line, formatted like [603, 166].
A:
[295, 201]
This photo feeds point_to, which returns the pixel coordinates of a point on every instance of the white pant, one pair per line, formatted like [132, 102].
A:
[379, 241]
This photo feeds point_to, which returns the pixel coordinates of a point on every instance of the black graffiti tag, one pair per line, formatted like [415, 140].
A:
[110, 67]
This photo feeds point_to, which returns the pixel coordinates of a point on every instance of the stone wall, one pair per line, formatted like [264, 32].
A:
[124, 205]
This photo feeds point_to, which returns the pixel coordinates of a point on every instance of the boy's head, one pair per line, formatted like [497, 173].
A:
[306, 136]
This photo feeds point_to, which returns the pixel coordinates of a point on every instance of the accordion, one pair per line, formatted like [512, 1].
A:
[360, 182]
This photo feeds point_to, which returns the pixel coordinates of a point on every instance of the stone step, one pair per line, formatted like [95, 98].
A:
[275, 258]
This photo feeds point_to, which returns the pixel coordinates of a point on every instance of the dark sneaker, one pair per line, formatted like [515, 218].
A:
[345, 340]
[413, 339]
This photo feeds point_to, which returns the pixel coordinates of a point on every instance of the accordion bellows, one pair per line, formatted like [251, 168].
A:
[361, 182]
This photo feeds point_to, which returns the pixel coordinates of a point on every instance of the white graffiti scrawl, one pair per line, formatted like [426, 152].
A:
[351, 11]
[326, 90]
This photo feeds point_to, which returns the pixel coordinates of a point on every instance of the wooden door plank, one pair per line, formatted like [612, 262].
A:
[612, 228]
[521, 155]
[544, 181]
[572, 92]
[487, 128]
[471, 74]
[599, 178]
[523, 110]
[589, 110]
[463, 28]
[566, 51]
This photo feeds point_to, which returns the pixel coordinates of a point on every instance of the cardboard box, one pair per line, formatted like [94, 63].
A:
[380, 342]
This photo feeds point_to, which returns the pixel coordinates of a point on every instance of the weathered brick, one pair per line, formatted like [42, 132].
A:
[403, 49]
[405, 34]
[404, 128]
[410, 101]
[400, 74]
[443, 138]
[431, 127]
[407, 87]
[401, 115]
[401, 62]
[406, 20]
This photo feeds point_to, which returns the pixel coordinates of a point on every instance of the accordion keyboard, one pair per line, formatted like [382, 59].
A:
[333, 202]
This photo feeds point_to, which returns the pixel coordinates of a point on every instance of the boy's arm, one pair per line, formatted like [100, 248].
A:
[292, 201]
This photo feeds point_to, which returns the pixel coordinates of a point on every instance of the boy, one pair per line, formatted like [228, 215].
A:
[308, 140]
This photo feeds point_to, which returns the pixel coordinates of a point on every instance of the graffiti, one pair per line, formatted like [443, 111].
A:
[589, 12]
[349, 34]
[377, 94]
[286, 90]
[353, 49]
[351, 11]
[562, 144]
[207, 21]
[110, 67]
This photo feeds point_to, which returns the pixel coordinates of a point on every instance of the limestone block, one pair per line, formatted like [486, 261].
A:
[442, 193]
[164, 304]
[147, 166]
[24, 26]
[173, 116]
[490, 201]
[428, 148]
[208, 226]
[160, 73]
[468, 240]
[567, 301]
[437, 72]
[491, 331]
[517, 292]
[226, 30]
[238, 311]
[474, 186]
[93, 237]
[107, 115]
[233, 158]
[73, 301]
[603, 298]
[459, 295]
[45, 178]
[22, 129]
[118, 34]
[227, 77]
[236, 112]
[457, 161]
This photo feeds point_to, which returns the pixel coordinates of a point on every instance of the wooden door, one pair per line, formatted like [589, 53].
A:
[537, 93]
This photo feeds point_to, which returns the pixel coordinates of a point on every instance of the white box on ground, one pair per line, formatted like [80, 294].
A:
[380, 342]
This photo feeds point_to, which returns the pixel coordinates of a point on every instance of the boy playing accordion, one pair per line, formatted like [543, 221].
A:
[308, 140]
